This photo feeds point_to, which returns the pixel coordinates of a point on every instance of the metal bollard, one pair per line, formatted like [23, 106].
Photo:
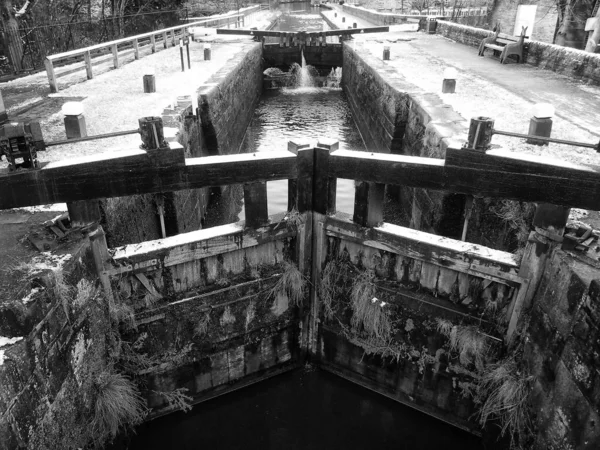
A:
[480, 133]
[207, 52]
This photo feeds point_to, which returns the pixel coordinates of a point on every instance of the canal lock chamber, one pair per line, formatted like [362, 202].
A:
[226, 318]
[218, 306]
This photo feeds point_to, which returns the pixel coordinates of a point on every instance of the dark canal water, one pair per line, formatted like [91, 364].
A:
[307, 409]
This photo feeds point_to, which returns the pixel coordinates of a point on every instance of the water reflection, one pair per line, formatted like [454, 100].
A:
[302, 114]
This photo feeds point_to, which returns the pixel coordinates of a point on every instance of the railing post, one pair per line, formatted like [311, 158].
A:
[480, 133]
[368, 204]
[294, 146]
[153, 139]
[88, 65]
[549, 222]
[324, 186]
[153, 43]
[152, 134]
[83, 213]
[255, 204]
[115, 52]
[101, 261]
[51, 75]
[165, 40]
[136, 49]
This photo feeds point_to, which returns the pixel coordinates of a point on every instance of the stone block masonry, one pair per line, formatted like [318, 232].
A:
[47, 378]
[226, 104]
[227, 101]
[562, 352]
[394, 116]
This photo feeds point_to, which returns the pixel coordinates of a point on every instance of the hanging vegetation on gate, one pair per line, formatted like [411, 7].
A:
[361, 304]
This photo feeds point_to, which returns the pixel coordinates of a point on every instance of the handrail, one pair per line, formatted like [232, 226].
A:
[113, 45]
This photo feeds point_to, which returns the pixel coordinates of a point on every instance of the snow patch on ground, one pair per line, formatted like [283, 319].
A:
[45, 261]
[29, 297]
[5, 341]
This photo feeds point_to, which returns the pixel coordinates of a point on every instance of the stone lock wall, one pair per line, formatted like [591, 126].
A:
[226, 104]
[394, 116]
[562, 351]
[47, 377]
[228, 99]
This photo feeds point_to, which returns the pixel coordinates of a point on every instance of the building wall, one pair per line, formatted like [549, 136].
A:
[505, 11]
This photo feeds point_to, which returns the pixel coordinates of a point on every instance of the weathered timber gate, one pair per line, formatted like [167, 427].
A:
[320, 48]
[207, 307]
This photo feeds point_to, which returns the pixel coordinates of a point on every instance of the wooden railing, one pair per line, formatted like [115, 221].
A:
[168, 35]
[493, 173]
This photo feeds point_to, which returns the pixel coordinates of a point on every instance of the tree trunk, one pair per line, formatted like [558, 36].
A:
[571, 29]
[12, 38]
[592, 43]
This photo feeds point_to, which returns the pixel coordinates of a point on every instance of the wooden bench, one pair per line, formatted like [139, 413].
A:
[508, 45]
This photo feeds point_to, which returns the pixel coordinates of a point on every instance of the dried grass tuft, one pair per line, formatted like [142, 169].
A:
[506, 391]
[201, 328]
[177, 399]
[332, 280]
[291, 284]
[368, 311]
[85, 291]
[471, 345]
[118, 403]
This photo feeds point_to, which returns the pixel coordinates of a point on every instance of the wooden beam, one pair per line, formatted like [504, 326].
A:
[88, 65]
[306, 169]
[138, 172]
[195, 245]
[503, 174]
[445, 252]
[496, 173]
[255, 204]
[491, 174]
[387, 168]
[240, 31]
[368, 204]
[115, 53]
[51, 75]
[293, 147]
[325, 187]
